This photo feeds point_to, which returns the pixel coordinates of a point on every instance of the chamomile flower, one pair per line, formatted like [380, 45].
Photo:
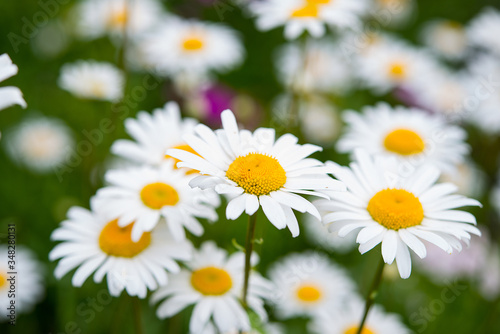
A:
[320, 68]
[484, 29]
[40, 144]
[92, 80]
[412, 136]
[154, 134]
[397, 209]
[93, 242]
[147, 195]
[187, 46]
[346, 321]
[392, 64]
[97, 18]
[318, 235]
[307, 15]
[400, 11]
[308, 284]
[9, 96]
[446, 38]
[213, 282]
[257, 171]
[25, 281]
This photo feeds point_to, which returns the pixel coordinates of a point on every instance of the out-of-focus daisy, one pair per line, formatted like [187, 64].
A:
[94, 242]
[318, 234]
[188, 46]
[391, 64]
[469, 179]
[412, 136]
[97, 18]
[321, 67]
[154, 134]
[257, 171]
[399, 11]
[307, 15]
[319, 120]
[9, 96]
[396, 210]
[483, 31]
[446, 38]
[92, 80]
[213, 282]
[40, 144]
[143, 196]
[27, 283]
[483, 112]
[346, 321]
[308, 284]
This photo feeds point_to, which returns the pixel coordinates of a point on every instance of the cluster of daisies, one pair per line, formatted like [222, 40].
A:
[143, 233]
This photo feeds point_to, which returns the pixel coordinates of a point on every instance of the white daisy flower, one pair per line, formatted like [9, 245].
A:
[92, 80]
[307, 15]
[97, 18]
[483, 31]
[318, 234]
[187, 46]
[9, 96]
[27, 283]
[145, 195]
[412, 136]
[308, 284]
[391, 64]
[257, 171]
[445, 38]
[486, 89]
[319, 120]
[399, 211]
[154, 134]
[94, 242]
[401, 12]
[320, 68]
[40, 144]
[213, 282]
[346, 321]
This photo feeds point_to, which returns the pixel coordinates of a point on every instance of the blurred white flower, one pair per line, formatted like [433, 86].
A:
[318, 67]
[446, 38]
[483, 31]
[97, 18]
[92, 80]
[318, 234]
[307, 15]
[187, 46]
[9, 96]
[308, 284]
[468, 177]
[28, 281]
[92, 241]
[39, 143]
[411, 135]
[319, 120]
[394, 13]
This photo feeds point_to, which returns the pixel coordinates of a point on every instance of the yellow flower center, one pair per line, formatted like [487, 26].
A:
[318, 2]
[186, 148]
[257, 174]
[404, 142]
[3, 280]
[308, 293]
[309, 10]
[354, 330]
[211, 281]
[192, 44]
[117, 241]
[98, 89]
[157, 195]
[397, 71]
[396, 209]
[119, 18]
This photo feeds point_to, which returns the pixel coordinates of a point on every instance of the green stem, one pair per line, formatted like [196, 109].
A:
[372, 293]
[137, 315]
[252, 220]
